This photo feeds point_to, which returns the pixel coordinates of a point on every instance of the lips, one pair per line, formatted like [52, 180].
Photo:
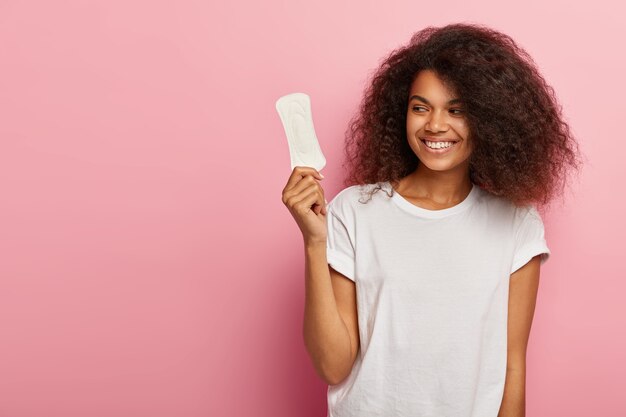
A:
[424, 138]
[439, 151]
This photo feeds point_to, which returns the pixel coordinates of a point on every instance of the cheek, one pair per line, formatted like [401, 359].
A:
[413, 126]
[460, 125]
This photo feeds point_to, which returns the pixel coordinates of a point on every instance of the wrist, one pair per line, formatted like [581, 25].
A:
[315, 244]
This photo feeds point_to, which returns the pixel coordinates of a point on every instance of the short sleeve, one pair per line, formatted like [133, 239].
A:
[530, 240]
[339, 246]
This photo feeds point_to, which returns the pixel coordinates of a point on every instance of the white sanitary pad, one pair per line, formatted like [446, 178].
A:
[295, 113]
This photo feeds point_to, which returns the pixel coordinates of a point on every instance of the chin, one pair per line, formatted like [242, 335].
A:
[442, 164]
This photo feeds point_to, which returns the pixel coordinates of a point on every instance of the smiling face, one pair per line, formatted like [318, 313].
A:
[436, 117]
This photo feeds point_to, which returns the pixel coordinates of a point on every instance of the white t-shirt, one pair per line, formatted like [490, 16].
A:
[432, 299]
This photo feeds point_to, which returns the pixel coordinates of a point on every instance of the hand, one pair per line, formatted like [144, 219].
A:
[304, 197]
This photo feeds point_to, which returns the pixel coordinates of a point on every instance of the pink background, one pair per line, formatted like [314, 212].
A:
[147, 264]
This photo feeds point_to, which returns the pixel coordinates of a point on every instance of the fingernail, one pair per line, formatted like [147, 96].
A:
[321, 174]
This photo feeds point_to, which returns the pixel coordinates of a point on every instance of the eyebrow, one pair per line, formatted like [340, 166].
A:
[420, 98]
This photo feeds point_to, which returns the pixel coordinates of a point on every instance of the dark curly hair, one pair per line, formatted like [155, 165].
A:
[523, 147]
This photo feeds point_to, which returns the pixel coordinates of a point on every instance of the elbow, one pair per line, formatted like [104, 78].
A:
[332, 369]
[330, 373]
[334, 378]
[337, 374]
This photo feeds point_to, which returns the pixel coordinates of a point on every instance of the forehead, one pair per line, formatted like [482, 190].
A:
[428, 84]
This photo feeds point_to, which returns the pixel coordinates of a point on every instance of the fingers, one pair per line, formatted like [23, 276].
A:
[310, 199]
[303, 184]
[298, 173]
[303, 177]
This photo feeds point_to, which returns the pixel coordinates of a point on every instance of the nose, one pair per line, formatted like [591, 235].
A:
[436, 121]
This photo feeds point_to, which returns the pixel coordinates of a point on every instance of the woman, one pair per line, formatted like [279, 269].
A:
[419, 300]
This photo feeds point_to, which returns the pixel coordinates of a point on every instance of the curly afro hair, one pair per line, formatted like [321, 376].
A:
[523, 147]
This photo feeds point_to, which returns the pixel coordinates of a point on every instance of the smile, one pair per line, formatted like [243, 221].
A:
[439, 147]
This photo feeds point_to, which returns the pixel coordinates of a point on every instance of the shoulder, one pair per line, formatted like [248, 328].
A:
[527, 214]
[500, 209]
[358, 197]
[528, 220]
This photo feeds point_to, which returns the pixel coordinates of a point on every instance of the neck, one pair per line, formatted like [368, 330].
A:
[441, 187]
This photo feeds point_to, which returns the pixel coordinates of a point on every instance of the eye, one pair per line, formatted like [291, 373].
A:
[457, 110]
[418, 107]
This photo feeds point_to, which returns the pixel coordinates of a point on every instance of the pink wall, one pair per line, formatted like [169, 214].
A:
[147, 264]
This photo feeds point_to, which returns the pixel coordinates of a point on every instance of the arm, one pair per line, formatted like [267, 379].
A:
[523, 287]
[330, 317]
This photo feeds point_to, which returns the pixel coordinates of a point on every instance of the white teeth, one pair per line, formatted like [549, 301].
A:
[438, 145]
